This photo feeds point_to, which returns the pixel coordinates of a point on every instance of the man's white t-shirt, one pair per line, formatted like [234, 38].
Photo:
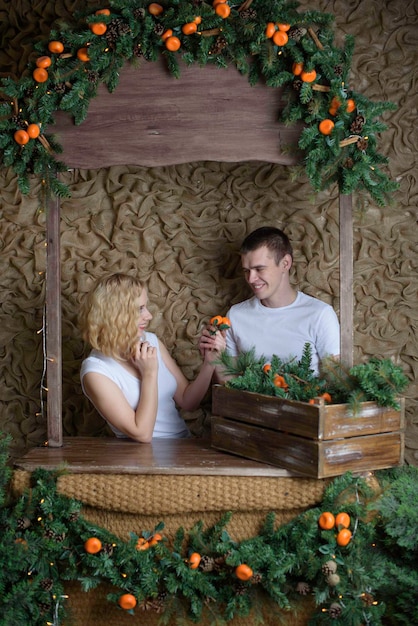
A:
[284, 331]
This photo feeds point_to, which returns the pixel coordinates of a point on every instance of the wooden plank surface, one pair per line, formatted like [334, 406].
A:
[314, 459]
[108, 455]
[154, 119]
[346, 280]
[53, 338]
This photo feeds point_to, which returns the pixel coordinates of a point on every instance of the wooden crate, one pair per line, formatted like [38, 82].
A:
[314, 440]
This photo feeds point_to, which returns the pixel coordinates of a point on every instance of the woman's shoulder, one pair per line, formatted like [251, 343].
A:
[152, 339]
[97, 362]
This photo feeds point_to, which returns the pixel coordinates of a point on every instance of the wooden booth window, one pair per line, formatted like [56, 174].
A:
[153, 119]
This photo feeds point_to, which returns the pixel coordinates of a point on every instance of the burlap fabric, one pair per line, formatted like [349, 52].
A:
[133, 503]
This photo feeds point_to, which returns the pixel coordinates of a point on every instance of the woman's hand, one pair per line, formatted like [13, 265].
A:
[145, 358]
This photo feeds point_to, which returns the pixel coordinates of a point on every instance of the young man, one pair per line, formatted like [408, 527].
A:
[278, 319]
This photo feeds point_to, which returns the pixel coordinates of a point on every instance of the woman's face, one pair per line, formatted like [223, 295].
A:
[144, 316]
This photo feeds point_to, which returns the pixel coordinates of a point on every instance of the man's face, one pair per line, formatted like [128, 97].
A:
[266, 279]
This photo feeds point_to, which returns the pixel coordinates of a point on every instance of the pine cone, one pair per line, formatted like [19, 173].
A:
[362, 144]
[338, 70]
[297, 84]
[296, 33]
[23, 523]
[219, 44]
[139, 14]
[256, 578]
[59, 537]
[73, 517]
[303, 588]
[115, 29]
[18, 120]
[207, 563]
[47, 584]
[240, 589]
[152, 604]
[44, 607]
[138, 51]
[92, 77]
[367, 599]
[107, 548]
[159, 29]
[335, 610]
[330, 567]
[357, 126]
[333, 580]
[219, 563]
[60, 88]
[248, 14]
[348, 163]
[49, 533]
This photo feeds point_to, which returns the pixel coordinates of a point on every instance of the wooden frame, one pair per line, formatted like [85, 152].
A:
[140, 142]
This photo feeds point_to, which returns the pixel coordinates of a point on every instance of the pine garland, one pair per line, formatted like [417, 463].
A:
[245, 38]
[372, 580]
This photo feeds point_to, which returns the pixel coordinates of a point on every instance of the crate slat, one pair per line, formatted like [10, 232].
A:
[318, 421]
[317, 459]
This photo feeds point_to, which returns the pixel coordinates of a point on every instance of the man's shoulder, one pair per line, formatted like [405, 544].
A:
[307, 300]
[245, 305]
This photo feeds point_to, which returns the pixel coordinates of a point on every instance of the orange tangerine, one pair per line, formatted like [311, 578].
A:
[21, 137]
[308, 76]
[40, 75]
[172, 43]
[127, 601]
[82, 55]
[189, 29]
[243, 572]
[351, 105]
[297, 69]
[223, 10]
[155, 9]
[98, 28]
[56, 47]
[280, 38]
[270, 29]
[44, 62]
[33, 131]
[326, 127]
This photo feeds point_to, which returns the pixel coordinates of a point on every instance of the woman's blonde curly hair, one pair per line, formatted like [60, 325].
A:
[109, 315]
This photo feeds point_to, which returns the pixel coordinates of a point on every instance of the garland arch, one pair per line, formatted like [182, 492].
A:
[266, 41]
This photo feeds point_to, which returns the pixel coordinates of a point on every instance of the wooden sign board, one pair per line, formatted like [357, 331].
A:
[154, 119]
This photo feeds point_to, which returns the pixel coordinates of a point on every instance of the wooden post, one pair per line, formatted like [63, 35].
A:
[346, 279]
[53, 326]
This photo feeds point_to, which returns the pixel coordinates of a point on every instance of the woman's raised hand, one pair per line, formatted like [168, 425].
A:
[145, 359]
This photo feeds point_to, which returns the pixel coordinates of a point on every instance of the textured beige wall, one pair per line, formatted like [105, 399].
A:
[179, 228]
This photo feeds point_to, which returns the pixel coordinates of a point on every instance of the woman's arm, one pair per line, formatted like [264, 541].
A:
[190, 394]
[110, 401]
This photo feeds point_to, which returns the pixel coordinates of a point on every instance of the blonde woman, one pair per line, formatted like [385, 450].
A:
[129, 376]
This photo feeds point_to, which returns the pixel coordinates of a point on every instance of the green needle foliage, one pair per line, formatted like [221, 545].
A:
[378, 380]
[132, 33]
[372, 580]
